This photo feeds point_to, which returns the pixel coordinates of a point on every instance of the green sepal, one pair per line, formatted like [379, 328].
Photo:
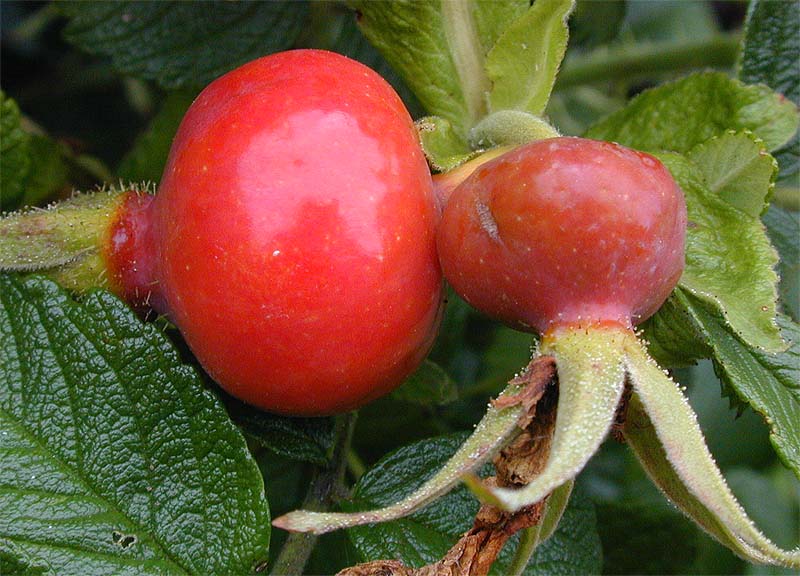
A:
[591, 377]
[662, 430]
[494, 431]
[65, 241]
[444, 148]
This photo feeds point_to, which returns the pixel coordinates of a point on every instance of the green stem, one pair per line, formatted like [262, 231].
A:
[355, 465]
[529, 540]
[630, 61]
[323, 492]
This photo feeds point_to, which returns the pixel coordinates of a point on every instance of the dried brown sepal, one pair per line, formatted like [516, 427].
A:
[535, 378]
[522, 460]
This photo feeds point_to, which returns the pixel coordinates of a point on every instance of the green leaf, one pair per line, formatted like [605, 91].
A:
[679, 115]
[429, 385]
[670, 19]
[426, 536]
[672, 337]
[145, 161]
[444, 148]
[299, 439]
[439, 49]
[177, 44]
[113, 457]
[14, 154]
[771, 47]
[729, 260]
[663, 432]
[770, 383]
[16, 562]
[523, 64]
[590, 383]
[783, 228]
[769, 56]
[738, 168]
[411, 36]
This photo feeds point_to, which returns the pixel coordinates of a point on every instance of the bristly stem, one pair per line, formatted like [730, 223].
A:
[325, 489]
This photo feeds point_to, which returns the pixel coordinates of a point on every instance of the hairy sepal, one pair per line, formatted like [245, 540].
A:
[494, 431]
[591, 377]
[663, 432]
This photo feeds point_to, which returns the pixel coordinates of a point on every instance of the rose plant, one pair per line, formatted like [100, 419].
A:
[184, 401]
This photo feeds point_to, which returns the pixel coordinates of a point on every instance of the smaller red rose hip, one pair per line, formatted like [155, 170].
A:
[565, 232]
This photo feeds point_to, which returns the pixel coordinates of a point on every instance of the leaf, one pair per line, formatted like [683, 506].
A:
[671, 19]
[14, 154]
[770, 383]
[769, 56]
[663, 432]
[738, 168]
[113, 457]
[299, 439]
[426, 536]
[412, 38]
[679, 115]
[15, 562]
[771, 47]
[176, 44]
[496, 429]
[429, 385]
[783, 228]
[672, 337]
[590, 384]
[145, 161]
[523, 64]
[729, 260]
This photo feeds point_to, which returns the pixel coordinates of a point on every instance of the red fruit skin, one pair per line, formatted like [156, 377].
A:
[129, 253]
[294, 234]
[565, 232]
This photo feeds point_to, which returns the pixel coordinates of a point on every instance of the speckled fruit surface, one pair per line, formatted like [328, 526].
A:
[294, 234]
[565, 232]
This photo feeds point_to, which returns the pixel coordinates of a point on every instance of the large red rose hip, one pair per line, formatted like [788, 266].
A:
[294, 235]
[565, 232]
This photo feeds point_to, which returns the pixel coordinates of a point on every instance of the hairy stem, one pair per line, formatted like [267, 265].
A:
[630, 61]
[323, 492]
